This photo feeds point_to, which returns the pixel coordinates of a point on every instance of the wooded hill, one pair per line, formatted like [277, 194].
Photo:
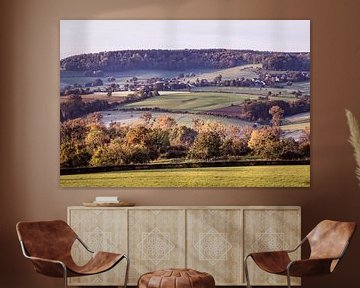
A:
[181, 60]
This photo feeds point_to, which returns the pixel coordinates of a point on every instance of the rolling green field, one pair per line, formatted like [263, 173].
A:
[255, 176]
[297, 122]
[286, 91]
[192, 102]
[198, 101]
[246, 71]
[296, 126]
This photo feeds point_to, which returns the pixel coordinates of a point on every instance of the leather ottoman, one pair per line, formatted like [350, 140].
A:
[176, 278]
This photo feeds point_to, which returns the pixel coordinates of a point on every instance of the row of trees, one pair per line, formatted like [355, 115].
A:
[88, 143]
[298, 62]
[258, 110]
[75, 107]
[111, 61]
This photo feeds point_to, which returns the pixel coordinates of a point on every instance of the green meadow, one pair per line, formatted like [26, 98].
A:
[254, 176]
[246, 71]
[191, 102]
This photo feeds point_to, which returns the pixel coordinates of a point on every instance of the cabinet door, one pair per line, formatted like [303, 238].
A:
[101, 230]
[156, 240]
[271, 230]
[214, 244]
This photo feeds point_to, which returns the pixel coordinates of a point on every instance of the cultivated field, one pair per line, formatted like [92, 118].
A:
[257, 176]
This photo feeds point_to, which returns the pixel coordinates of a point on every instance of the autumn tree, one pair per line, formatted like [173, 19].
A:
[304, 143]
[277, 113]
[117, 153]
[288, 149]
[97, 136]
[137, 135]
[74, 155]
[235, 147]
[183, 136]
[158, 141]
[265, 142]
[165, 122]
[206, 146]
[72, 107]
[108, 154]
[73, 151]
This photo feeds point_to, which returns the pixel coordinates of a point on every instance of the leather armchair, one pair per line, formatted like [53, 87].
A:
[48, 245]
[328, 242]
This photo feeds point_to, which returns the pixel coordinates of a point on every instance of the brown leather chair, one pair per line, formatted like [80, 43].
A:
[48, 245]
[328, 242]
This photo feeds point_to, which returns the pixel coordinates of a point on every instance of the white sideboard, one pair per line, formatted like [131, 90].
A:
[211, 239]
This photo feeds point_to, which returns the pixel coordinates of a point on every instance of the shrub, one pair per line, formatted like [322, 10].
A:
[235, 147]
[206, 146]
[108, 154]
[183, 136]
[74, 155]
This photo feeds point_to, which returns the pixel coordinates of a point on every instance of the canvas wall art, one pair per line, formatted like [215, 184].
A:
[185, 103]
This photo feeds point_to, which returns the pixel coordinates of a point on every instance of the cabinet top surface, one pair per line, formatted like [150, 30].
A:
[192, 207]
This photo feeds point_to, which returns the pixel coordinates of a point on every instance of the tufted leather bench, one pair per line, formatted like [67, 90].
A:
[176, 278]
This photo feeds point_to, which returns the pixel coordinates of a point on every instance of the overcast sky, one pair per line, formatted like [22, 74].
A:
[89, 36]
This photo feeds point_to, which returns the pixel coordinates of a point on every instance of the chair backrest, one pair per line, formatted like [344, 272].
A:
[46, 239]
[329, 239]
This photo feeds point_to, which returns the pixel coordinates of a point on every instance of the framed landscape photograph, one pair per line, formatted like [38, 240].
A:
[185, 103]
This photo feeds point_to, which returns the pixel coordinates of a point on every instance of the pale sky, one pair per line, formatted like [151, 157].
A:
[90, 36]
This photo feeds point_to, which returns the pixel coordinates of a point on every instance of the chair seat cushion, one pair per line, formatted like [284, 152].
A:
[176, 278]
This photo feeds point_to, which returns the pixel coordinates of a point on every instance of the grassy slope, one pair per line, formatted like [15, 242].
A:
[246, 71]
[295, 127]
[302, 86]
[196, 101]
[192, 102]
[286, 91]
[258, 176]
[297, 122]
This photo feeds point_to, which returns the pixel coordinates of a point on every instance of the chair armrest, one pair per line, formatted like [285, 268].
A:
[268, 254]
[309, 267]
[49, 267]
[298, 246]
[280, 251]
[45, 260]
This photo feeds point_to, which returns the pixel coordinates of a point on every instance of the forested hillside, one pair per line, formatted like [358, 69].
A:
[112, 61]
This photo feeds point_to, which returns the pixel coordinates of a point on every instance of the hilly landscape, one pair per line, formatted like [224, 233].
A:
[175, 107]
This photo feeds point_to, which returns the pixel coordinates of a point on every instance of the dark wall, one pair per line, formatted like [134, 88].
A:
[29, 111]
